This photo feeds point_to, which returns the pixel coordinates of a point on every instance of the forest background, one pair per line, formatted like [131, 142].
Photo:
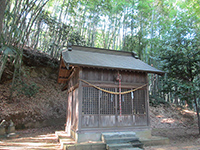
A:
[164, 33]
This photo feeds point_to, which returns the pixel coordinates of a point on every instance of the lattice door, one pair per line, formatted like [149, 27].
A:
[107, 102]
[126, 103]
[90, 104]
[94, 99]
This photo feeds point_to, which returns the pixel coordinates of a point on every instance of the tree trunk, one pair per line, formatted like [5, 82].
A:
[3, 64]
[197, 110]
[176, 97]
[2, 10]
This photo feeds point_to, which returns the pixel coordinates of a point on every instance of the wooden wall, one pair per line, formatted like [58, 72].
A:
[91, 108]
[106, 75]
[73, 100]
[134, 111]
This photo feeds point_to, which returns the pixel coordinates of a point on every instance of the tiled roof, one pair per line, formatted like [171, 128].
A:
[103, 58]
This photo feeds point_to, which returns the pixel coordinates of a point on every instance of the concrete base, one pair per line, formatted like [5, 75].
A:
[68, 143]
[96, 135]
[86, 137]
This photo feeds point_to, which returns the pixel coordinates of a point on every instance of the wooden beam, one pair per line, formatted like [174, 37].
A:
[62, 77]
[71, 75]
[72, 88]
[113, 84]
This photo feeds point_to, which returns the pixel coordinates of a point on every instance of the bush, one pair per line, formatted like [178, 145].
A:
[155, 100]
[28, 89]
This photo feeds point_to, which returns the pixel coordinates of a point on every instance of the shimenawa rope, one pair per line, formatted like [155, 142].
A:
[110, 92]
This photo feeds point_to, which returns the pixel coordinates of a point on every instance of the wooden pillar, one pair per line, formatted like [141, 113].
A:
[147, 101]
[79, 103]
[68, 123]
[116, 105]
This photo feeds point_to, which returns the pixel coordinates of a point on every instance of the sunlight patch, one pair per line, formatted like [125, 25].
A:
[168, 120]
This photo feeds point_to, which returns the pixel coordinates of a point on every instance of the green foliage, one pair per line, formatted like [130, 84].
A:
[155, 100]
[76, 39]
[27, 89]
[180, 53]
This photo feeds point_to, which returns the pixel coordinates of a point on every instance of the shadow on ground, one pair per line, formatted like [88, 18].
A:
[35, 139]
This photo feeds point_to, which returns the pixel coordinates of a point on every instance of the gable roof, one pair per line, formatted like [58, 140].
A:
[104, 58]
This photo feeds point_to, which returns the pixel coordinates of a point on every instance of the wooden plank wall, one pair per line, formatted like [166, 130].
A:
[64, 73]
[73, 100]
[104, 75]
[107, 79]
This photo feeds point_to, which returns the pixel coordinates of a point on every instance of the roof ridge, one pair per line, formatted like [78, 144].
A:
[101, 50]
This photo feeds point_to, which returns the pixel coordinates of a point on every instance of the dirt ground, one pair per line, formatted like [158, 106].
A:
[177, 123]
[180, 139]
[45, 139]
[32, 139]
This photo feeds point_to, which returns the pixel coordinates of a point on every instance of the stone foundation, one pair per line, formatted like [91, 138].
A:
[86, 136]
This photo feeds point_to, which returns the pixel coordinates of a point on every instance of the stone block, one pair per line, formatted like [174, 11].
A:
[98, 146]
[143, 133]
[11, 129]
[86, 137]
[2, 131]
[67, 147]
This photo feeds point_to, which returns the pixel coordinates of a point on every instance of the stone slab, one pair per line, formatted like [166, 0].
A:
[118, 146]
[118, 134]
[130, 149]
[2, 131]
[120, 140]
[85, 146]
[154, 140]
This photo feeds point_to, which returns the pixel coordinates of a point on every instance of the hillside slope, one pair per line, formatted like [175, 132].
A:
[47, 103]
[171, 116]
[38, 99]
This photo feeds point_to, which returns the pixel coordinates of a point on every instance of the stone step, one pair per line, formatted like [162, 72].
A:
[120, 140]
[137, 144]
[85, 146]
[117, 135]
[125, 146]
[118, 146]
[66, 142]
[133, 148]
[61, 135]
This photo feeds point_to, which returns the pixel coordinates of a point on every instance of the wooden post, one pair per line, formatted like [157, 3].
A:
[80, 92]
[147, 101]
[99, 107]
[116, 113]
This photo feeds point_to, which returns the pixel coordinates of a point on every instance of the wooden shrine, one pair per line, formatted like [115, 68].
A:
[107, 91]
